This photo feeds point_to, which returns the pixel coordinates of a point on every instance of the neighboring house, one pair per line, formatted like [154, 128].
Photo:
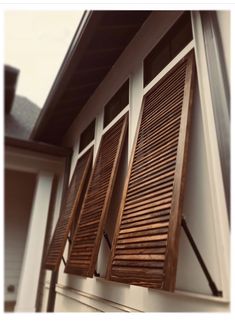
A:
[20, 113]
[20, 121]
[26, 164]
[137, 122]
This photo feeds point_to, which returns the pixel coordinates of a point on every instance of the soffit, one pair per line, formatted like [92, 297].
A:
[94, 49]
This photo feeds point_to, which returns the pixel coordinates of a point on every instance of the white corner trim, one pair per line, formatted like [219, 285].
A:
[217, 193]
[29, 277]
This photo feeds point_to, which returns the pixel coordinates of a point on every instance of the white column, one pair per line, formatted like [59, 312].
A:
[29, 277]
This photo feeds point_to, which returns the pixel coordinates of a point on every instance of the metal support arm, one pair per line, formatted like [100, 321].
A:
[107, 239]
[70, 241]
[211, 283]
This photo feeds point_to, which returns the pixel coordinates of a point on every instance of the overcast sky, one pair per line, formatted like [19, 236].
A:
[36, 43]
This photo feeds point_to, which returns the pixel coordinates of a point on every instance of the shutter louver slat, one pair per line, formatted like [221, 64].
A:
[73, 197]
[95, 207]
[145, 245]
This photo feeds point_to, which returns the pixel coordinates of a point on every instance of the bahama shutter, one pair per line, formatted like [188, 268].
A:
[87, 237]
[69, 210]
[145, 244]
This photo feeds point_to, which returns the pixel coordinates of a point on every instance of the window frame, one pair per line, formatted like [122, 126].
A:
[208, 118]
[94, 256]
[168, 286]
[105, 125]
[221, 224]
[165, 43]
[93, 125]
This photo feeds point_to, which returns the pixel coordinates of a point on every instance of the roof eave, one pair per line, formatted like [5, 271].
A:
[62, 77]
[43, 148]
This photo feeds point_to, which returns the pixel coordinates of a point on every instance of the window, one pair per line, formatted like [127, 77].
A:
[118, 102]
[87, 136]
[145, 246]
[169, 46]
[68, 217]
[93, 215]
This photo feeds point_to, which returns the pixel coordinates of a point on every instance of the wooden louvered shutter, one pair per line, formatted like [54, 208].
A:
[85, 246]
[69, 210]
[145, 244]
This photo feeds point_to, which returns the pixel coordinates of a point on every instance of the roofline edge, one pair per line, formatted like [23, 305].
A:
[49, 103]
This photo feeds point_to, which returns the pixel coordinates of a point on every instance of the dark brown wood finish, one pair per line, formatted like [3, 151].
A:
[145, 245]
[97, 44]
[179, 182]
[73, 197]
[54, 274]
[86, 241]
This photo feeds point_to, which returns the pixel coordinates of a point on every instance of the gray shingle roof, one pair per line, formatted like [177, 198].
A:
[19, 123]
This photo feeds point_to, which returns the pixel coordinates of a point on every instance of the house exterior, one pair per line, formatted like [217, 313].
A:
[20, 121]
[24, 162]
[106, 229]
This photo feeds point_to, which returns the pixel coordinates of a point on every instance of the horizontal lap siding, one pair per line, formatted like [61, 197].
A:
[69, 211]
[140, 244]
[89, 231]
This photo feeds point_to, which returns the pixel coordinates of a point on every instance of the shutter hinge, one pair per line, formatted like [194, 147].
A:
[96, 274]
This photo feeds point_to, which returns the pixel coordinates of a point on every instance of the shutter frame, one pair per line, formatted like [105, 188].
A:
[89, 271]
[179, 183]
[174, 227]
[54, 264]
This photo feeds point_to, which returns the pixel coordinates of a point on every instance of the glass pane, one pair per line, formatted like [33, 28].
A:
[169, 46]
[87, 136]
[160, 57]
[182, 36]
[118, 102]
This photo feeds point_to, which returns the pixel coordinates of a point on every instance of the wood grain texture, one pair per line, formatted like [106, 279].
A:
[69, 211]
[145, 245]
[87, 238]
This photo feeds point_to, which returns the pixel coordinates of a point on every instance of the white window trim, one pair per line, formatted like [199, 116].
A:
[169, 66]
[80, 154]
[220, 219]
[100, 131]
[220, 216]
[116, 118]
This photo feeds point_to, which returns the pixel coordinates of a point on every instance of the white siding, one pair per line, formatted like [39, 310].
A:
[19, 190]
[224, 28]
[198, 214]
[198, 204]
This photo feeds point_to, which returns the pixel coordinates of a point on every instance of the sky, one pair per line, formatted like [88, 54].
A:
[36, 43]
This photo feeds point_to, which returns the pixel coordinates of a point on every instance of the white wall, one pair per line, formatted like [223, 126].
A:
[22, 161]
[198, 214]
[19, 191]
[224, 28]
[197, 206]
